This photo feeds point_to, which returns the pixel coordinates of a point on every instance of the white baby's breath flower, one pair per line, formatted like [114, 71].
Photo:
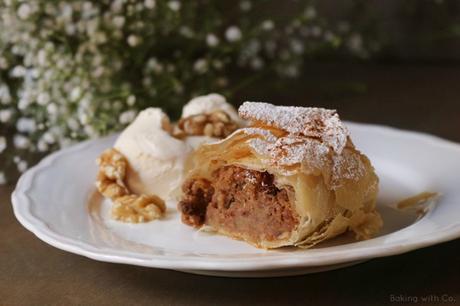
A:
[186, 32]
[310, 12]
[91, 26]
[24, 102]
[297, 46]
[217, 64]
[150, 4]
[174, 5]
[49, 138]
[291, 71]
[24, 11]
[127, 116]
[43, 98]
[5, 96]
[6, 115]
[268, 25]
[212, 40]
[2, 178]
[73, 124]
[233, 33]
[97, 60]
[98, 72]
[245, 5]
[18, 72]
[20, 141]
[355, 43]
[61, 63]
[147, 81]
[75, 93]
[70, 29]
[3, 62]
[133, 40]
[131, 100]
[118, 21]
[154, 65]
[26, 125]
[22, 166]
[116, 6]
[117, 104]
[42, 146]
[41, 57]
[330, 37]
[33, 73]
[66, 12]
[2, 144]
[201, 65]
[87, 7]
[257, 63]
[83, 118]
[52, 109]
[16, 50]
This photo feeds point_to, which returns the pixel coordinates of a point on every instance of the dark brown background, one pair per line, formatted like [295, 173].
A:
[418, 97]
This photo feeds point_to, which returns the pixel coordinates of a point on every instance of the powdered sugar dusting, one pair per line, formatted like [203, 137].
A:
[307, 121]
[347, 165]
[311, 153]
[288, 151]
[316, 139]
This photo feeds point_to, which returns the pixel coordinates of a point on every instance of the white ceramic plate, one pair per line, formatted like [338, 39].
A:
[56, 201]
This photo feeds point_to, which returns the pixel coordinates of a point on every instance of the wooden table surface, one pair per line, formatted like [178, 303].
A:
[417, 97]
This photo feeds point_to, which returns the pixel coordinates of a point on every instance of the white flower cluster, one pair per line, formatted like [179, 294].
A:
[72, 70]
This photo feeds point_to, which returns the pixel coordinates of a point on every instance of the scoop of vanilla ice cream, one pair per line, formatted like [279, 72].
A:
[156, 159]
[207, 104]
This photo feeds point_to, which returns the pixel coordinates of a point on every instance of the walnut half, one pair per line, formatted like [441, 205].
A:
[134, 209]
[216, 124]
[127, 206]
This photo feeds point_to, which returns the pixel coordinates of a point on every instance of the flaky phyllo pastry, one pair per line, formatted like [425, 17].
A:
[292, 178]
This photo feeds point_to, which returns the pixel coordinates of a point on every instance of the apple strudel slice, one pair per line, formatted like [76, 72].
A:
[292, 178]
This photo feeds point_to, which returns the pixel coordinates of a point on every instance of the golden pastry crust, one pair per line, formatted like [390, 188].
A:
[309, 151]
